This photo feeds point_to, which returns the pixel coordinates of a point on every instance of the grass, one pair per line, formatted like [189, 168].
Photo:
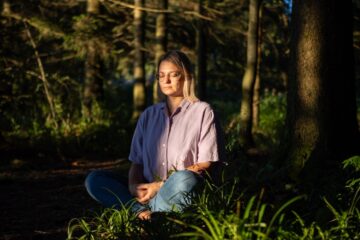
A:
[224, 212]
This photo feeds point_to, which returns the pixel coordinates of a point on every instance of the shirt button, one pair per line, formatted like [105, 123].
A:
[163, 163]
[164, 145]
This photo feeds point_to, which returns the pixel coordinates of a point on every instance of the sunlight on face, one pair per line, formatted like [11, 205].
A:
[170, 79]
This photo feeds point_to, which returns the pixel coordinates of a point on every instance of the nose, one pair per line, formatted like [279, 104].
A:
[167, 78]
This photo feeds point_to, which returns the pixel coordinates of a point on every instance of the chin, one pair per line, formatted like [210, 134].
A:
[168, 92]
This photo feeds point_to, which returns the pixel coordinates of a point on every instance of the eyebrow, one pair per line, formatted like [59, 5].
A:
[170, 71]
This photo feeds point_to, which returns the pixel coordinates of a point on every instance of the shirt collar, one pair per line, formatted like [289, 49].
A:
[183, 105]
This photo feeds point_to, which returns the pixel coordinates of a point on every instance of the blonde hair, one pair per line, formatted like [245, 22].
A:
[179, 59]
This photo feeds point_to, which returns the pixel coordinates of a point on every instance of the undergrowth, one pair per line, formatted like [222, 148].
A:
[224, 212]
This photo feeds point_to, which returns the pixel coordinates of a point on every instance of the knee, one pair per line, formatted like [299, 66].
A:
[185, 181]
[92, 178]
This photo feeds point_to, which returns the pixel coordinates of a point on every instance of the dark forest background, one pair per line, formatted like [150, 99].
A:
[68, 68]
[282, 76]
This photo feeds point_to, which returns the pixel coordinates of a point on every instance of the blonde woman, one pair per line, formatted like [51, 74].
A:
[174, 142]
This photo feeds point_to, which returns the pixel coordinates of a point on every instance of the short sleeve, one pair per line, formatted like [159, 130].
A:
[136, 149]
[208, 145]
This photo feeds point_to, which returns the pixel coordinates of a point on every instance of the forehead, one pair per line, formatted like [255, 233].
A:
[168, 66]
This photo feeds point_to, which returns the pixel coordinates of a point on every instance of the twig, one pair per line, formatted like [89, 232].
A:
[53, 31]
[43, 76]
[116, 2]
[196, 14]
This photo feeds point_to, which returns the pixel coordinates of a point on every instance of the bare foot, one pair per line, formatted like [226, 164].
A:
[145, 215]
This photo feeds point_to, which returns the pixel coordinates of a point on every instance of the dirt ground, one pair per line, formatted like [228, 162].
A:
[38, 201]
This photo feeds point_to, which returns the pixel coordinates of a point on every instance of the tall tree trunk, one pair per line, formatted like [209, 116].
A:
[6, 10]
[161, 42]
[256, 96]
[139, 97]
[321, 120]
[6, 7]
[248, 80]
[93, 84]
[201, 52]
[256, 102]
[93, 7]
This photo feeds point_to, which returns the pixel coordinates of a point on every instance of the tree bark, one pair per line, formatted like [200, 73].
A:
[6, 8]
[139, 96]
[93, 84]
[201, 52]
[256, 102]
[93, 7]
[256, 96]
[248, 80]
[161, 43]
[321, 120]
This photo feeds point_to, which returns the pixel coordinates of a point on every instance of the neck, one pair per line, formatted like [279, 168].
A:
[173, 103]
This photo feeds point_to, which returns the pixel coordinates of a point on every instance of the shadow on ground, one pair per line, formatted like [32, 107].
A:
[37, 202]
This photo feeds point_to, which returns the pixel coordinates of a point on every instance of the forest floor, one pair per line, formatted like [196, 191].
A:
[38, 199]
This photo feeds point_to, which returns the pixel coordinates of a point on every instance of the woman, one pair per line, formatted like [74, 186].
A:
[174, 142]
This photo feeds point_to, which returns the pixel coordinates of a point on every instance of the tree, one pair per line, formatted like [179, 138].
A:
[6, 7]
[321, 126]
[139, 98]
[93, 84]
[248, 80]
[256, 91]
[161, 41]
[201, 51]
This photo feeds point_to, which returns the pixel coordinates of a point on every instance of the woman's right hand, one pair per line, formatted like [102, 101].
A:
[143, 192]
[138, 190]
[146, 191]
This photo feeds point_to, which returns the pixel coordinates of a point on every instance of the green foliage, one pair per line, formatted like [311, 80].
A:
[221, 212]
[249, 224]
[110, 224]
[30, 129]
[353, 162]
[86, 29]
[272, 118]
[271, 121]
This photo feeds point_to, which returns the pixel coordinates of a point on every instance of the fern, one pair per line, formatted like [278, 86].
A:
[353, 162]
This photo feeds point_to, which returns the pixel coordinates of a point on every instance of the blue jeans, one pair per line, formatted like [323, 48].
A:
[111, 190]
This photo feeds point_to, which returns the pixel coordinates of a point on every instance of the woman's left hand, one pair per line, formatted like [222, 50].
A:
[199, 167]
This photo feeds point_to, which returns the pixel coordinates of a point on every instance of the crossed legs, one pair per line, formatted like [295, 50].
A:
[111, 191]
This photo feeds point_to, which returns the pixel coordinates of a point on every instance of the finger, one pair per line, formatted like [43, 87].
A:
[142, 186]
[144, 215]
[141, 194]
[144, 199]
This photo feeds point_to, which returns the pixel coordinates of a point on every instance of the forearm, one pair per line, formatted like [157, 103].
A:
[135, 177]
[199, 167]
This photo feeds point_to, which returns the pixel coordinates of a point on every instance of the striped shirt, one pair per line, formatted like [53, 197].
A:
[162, 143]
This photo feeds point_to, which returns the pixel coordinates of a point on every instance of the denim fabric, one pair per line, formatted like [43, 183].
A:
[111, 190]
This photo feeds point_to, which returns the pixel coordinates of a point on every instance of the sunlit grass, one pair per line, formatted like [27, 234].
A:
[224, 212]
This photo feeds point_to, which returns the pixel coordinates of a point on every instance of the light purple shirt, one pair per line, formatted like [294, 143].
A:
[162, 143]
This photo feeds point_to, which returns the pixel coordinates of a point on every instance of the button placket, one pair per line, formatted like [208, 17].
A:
[165, 145]
[169, 123]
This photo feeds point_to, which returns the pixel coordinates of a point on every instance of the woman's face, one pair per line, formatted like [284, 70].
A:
[171, 80]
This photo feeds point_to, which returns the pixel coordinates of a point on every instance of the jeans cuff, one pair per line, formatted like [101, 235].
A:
[138, 208]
